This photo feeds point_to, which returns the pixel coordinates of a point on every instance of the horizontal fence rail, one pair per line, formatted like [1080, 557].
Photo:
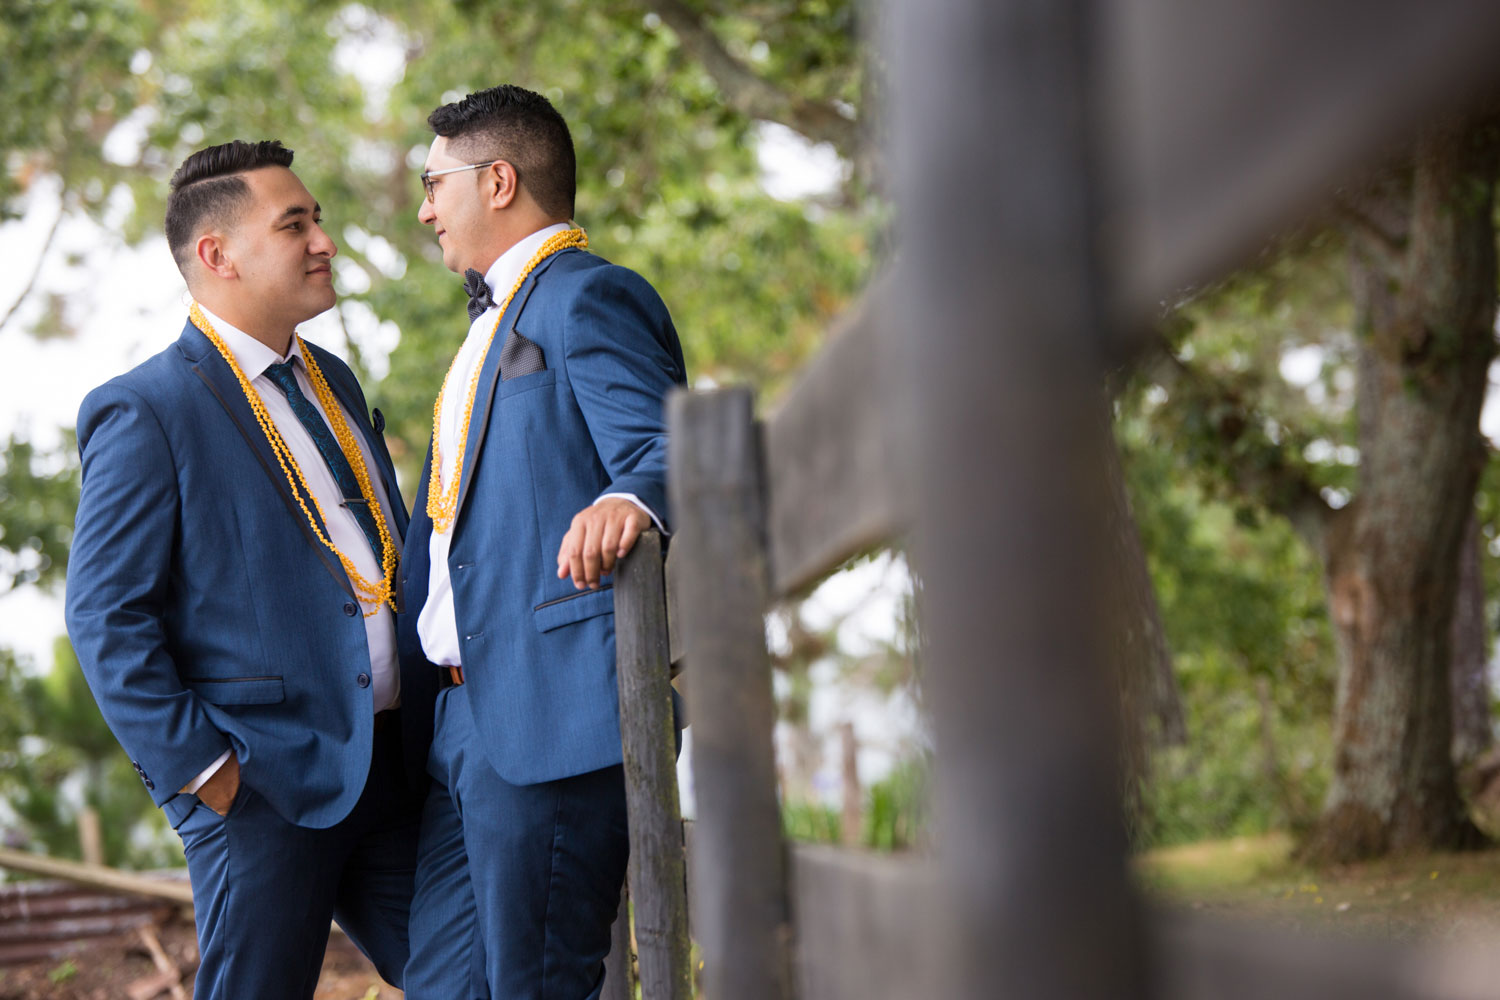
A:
[1226, 121]
[833, 487]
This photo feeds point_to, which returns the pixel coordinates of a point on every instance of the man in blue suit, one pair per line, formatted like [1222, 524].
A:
[548, 460]
[231, 593]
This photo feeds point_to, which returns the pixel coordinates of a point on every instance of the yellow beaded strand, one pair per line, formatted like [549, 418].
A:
[442, 504]
[374, 594]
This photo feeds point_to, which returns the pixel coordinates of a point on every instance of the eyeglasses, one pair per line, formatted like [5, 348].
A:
[428, 176]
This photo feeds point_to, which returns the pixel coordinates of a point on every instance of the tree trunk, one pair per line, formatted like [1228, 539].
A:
[1425, 306]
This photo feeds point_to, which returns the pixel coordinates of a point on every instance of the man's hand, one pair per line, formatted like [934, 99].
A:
[600, 535]
[219, 791]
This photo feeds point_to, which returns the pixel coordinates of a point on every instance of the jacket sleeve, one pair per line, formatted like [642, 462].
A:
[118, 579]
[622, 359]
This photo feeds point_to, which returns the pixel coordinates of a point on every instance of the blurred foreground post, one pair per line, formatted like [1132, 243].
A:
[1004, 306]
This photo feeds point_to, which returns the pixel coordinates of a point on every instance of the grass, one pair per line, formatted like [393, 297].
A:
[1415, 896]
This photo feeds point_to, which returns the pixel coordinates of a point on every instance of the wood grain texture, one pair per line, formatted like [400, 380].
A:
[738, 872]
[833, 489]
[658, 873]
[865, 924]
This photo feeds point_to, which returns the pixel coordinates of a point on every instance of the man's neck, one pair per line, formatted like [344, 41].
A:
[275, 336]
[515, 234]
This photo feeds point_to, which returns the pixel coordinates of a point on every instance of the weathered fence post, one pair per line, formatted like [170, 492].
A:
[647, 737]
[1006, 339]
[739, 888]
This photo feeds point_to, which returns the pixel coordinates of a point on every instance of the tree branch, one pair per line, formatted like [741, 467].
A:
[751, 94]
[41, 256]
[1251, 464]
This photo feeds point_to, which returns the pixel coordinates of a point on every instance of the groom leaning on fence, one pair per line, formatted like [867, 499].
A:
[548, 459]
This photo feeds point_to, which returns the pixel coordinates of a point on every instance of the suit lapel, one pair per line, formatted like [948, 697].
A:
[489, 378]
[216, 374]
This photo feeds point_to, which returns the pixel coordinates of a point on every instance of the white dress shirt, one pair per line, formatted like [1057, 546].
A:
[437, 625]
[341, 525]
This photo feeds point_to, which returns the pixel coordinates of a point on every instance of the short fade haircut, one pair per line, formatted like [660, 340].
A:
[207, 189]
[524, 129]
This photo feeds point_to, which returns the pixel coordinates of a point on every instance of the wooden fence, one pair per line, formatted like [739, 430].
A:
[1061, 166]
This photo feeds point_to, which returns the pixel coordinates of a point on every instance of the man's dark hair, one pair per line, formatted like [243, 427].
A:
[207, 188]
[524, 129]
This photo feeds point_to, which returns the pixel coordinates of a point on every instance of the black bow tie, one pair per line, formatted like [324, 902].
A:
[480, 298]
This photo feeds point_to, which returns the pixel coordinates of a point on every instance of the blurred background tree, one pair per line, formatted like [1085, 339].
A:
[1372, 456]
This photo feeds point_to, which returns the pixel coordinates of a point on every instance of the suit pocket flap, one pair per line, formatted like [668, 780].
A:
[525, 383]
[237, 690]
[574, 608]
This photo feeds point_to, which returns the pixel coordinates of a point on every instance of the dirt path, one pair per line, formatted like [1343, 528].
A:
[105, 969]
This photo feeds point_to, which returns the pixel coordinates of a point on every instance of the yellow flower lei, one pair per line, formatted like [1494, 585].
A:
[374, 594]
[442, 504]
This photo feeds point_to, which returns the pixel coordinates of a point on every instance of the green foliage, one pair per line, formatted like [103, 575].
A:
[896, 807]
[67, 970]
[1487, 509]
[66, 79]
[38, 494]
[669, 181]
[57, 754]
[895, 814]
[1243, 608]
[668, 178]
[1220, 448]
[1236, 426]
[811, 822]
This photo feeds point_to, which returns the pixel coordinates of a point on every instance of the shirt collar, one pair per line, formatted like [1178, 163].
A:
[504, 272]
[251, 355]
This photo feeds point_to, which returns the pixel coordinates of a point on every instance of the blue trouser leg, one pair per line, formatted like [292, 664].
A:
[379, 837]
[545, 864]
[264, 889]
[447, 959]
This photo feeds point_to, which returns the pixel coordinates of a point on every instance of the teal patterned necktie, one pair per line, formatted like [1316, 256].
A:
[281, 375]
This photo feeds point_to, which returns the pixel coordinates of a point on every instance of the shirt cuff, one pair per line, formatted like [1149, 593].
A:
[637, 501]
[203, 776]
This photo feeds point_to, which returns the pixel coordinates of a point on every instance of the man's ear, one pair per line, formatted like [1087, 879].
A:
[213, 255]
[501, 184]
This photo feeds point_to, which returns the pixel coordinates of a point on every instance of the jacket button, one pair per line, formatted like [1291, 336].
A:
[350, 609]
[150, 785]
[363, 680]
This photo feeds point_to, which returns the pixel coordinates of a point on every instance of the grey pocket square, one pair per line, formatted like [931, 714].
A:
[520, 356]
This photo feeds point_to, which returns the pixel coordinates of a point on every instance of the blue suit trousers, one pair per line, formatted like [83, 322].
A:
[264, 889]
[517, 885]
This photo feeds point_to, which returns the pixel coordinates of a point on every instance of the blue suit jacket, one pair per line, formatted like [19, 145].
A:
[538, 655]
[204, 612]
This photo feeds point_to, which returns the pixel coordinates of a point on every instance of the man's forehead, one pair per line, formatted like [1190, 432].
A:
[438, 155]
[276, 188]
